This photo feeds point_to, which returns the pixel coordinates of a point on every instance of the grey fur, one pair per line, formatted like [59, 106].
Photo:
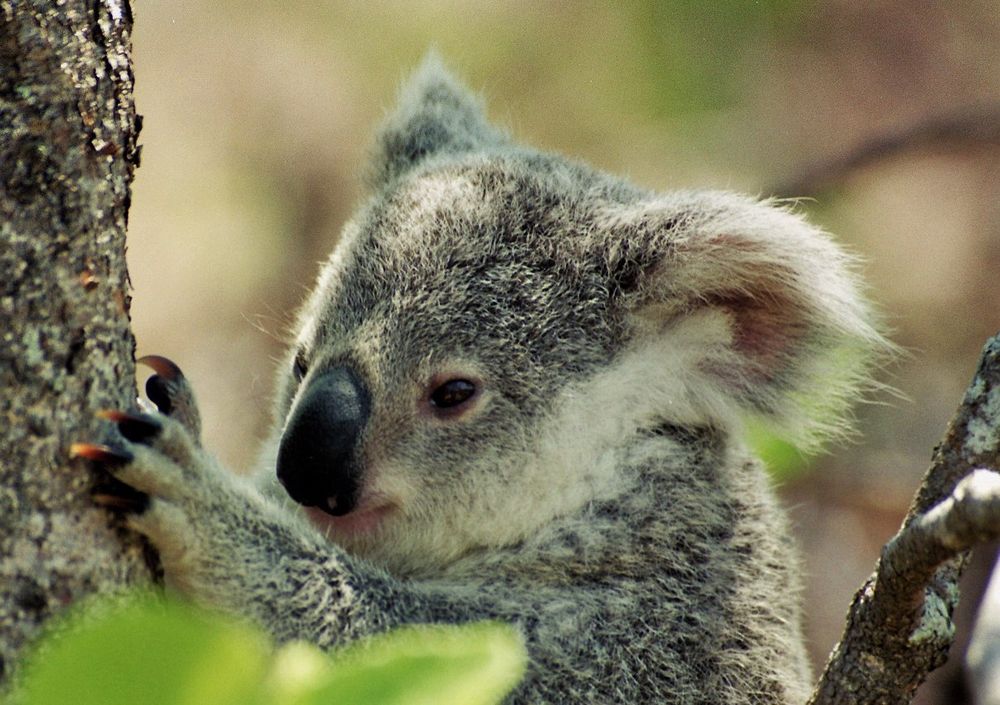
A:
[597, 495]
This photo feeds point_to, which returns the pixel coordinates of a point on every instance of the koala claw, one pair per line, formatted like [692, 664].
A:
[100, 453]
[111, 493]
[119, 497]
[170, 391]
[136, 427]
[162, 366]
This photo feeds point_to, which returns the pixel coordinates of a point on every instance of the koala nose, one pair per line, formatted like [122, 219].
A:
[316, 457]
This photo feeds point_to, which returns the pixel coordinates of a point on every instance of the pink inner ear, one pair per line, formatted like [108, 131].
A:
[750, 286]
[766, 332]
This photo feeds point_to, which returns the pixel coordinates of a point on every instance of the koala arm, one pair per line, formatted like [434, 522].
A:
[225, 545]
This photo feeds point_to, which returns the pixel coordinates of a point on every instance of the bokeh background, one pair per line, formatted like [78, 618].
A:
[258, 117]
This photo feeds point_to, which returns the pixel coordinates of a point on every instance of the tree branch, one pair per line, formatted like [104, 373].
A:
[899, 625]
[972, 127]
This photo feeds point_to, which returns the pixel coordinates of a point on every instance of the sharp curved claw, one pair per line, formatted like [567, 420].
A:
[158, 386]
[170, 391]
[162, 366]
[100, 453]
[120, 497]
[135, 427]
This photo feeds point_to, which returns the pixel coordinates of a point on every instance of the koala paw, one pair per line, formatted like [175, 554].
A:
[193, 512]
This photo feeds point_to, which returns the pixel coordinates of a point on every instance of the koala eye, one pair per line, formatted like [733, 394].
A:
[300, 366]
[452, 393]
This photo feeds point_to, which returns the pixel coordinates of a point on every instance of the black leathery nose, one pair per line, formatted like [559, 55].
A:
[316, 456]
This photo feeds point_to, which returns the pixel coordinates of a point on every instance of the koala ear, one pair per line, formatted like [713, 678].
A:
[749, 305]
[435, 115]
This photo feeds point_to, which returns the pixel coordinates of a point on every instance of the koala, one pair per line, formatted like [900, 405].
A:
[518, 392]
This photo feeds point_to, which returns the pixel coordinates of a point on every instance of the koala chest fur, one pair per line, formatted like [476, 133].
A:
[515, 393]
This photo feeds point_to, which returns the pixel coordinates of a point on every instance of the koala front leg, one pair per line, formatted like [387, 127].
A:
[223, 544]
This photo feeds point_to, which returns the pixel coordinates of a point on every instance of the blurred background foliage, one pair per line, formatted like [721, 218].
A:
[258, 116]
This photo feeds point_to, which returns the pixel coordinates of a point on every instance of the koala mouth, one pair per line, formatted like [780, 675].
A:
[363, 520]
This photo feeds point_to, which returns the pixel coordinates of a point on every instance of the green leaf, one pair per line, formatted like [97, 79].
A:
[297, 671]
[147, 651]
[159, 652]
[475, 664]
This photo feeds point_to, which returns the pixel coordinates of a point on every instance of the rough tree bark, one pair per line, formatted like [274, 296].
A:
[899, 627]
[68, 132]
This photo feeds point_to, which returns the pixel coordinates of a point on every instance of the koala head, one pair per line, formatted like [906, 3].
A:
[497, 324]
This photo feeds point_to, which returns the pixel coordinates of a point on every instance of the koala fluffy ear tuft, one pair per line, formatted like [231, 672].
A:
[434, 115]
[756, 306]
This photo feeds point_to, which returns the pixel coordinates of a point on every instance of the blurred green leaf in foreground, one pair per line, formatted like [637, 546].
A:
[167, 653]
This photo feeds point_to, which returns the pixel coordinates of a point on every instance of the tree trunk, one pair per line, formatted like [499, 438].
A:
[68, 148]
